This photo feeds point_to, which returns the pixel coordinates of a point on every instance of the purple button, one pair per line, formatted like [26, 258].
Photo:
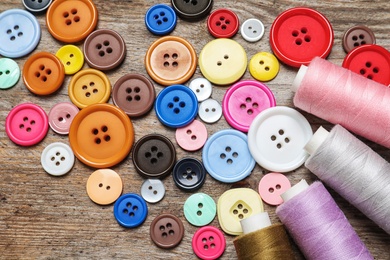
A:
[61, 116]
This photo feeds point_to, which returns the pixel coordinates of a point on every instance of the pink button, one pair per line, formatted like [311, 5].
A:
[192, 137]
[244, 101]
[61, 116]
[26, 124]
[208, 243]
[271, 186]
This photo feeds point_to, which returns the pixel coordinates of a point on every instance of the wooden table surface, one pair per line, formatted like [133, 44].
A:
[48, 217]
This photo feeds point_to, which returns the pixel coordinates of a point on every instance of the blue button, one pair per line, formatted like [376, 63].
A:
[176, 106]
[226, 156]
[130, 210]
[160, 19]
[20, 33]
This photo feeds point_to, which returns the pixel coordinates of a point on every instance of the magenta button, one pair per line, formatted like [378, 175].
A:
[208, 243]
[192, 137]
[61, 116]
[271, 186]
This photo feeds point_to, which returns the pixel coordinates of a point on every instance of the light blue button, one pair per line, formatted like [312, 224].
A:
[160, 19]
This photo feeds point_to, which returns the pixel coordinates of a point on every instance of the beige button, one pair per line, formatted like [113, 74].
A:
[104, 186]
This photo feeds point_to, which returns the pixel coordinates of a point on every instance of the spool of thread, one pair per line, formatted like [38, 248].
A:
[343, 97]
[261, 240]
[317, 224]
[353, 170]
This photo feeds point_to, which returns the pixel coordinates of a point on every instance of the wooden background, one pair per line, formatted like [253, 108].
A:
[46, 217]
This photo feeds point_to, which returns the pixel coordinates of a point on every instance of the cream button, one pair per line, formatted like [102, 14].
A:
[104, 186]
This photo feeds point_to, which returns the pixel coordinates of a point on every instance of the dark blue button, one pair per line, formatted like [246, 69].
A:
[189, 174]
[160, 19]
[176, 106]
[36, 6]
[130, 210]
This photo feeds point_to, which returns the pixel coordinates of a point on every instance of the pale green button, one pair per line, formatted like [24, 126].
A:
[9, 73]
[200, 209]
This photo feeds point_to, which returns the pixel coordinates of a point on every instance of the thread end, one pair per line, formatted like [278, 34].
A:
[294, 190]
[255, 222]
[298, 78]
[316, 140]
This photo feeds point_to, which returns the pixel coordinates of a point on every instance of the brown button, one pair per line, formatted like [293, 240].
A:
[154, 156]
[104, 186]
[134, 94]
[166, 230]
[357, 36]
[170, 60]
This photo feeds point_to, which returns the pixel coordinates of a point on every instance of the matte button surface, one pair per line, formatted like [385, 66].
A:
[104, 186]
[189, 174]
[104, 49]
[299, 34]
[192, 10]
[223, 23]
[244, 100]
[208, 243]
[20, 33]
[166, 231]
[200, 209]
[71, 57]
[264, 66]
[357, 36]
[202, 88]
[210, 111]
[57, 159]
[152, 190]
[252, 30]
[9, 73]
[130, 210]
[160, 19]
[271, 186]
[61, 116]
[191, 137]
[36, 6]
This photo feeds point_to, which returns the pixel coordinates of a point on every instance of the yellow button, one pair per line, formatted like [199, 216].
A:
[89, 87]
[264, 66]
[72, 58]
[222, 61]
[104, 186]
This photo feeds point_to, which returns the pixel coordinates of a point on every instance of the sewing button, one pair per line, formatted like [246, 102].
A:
[9, 73]
[189, 174]
[300, 34]
[208, 243]
[176, 106]
[71, 57]
[210, 111]
[160, 19]
[199, 209]
[43, 73]
[57, 159]
[357, 36]
[61, 116]
[223, 23]
[26, 124]
[271, 186]
[226, 156]
[104, 49]
[170, 60]
[89, 87]
[101, 135]
[264, 66]
[191, 137]
[20, 33]
[222, 61]
[244, 100]
[252, 30]
[276, 139]
[36, 6]
[104, 186]
[166, 231]
[192, 10]
[202, 88]
[134, 93]
[154, 156]
[130, 210]
[152, 190]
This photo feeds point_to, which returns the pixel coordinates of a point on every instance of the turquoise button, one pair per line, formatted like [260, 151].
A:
[200, 209]
[9, 73]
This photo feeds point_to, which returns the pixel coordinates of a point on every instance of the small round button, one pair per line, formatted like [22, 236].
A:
[189, 174]
[9, 73]
[192, 10]
[226, 156]
[89, 87]
[166, 231]
[170, 60]
[104, 186]
[208, 243]
[71, 20]
[20, 33]
[200, 209]
[252, 30]
[43, 73]
[160, 19]
[264, 66]
[104, 49]
[176, 106]
[134, 93]
[222, 61]
[36, 6]
[299, 34]
[276, 139]
[26, 124]
[223, 23]
[154, 156]
[152, 190]
[57, 159]
[356, 36]
[191, 137]
[271, 186]
[210, 111]
[202, 88]
[71, 57]
[61, 116]
[244, 100]
[130, 210]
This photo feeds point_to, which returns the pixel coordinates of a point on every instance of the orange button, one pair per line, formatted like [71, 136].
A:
[101, 135]
[170, 60]
[104, 186]
[43, 73]
[71, 20]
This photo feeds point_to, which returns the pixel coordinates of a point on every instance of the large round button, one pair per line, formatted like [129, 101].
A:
[104, 49]
[20, 33]
[244, 100]
[226, 156]
[154, 156]
[61, 116]
[192, 10]
[222, 61]
[210, 111]
[71, 57]
[252, 30]
[357, 36]
[43, 73]
[170, 60]
[189, 174]
[57, 159]
[191, 137]
[264, 66]
[152, 190]
[276, 139]
[160, 19]
[134, 93]
[101, 135]
[208, 243]
[9, 73]
[104, 186]
[200, 209]
[271, 186]
[26, 124]
[166, 231]
[36, 6]
[223, 23]
[299, 34]
[130, 210]
[202, 88]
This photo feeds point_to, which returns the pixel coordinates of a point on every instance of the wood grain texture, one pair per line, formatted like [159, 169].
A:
[44, 217]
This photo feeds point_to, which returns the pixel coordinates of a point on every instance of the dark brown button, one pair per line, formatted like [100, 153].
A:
[134, 94]
[357, 36]
[104, 49]
[154, 156]
[166, 230]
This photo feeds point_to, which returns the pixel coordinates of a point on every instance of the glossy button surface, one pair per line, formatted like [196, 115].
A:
[152, 190]
[208, 243]
[191, 137]
[104, 186]
[264, 66]
[166, 230]
[223, 23]
[210, 111]
[356, 36]
[71, 57]
[57, 159]
[130, 210]
[160, 19]
[271, 186]
[192, 10]
[36, 6]
[252, 30]
[200, 209]
[61, 116]
[189, 174]
[202, 88]
[9, 73]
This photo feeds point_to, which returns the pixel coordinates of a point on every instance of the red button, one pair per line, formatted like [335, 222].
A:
[223, 23]
[208, 243]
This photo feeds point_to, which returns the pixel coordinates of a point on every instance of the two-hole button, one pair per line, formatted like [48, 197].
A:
[9, 73]
[200, 209]
[104, 186]
[192, 137]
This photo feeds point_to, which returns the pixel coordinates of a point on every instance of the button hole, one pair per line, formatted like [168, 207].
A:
[76, 19]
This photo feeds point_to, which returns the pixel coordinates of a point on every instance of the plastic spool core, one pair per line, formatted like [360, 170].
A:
[298, 78]
[294, 190]
[255, 222]
[316, 140]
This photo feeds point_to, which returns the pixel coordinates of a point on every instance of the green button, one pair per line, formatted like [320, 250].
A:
[200, 209]
[9, 73]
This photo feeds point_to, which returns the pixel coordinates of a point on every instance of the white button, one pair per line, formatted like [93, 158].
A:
[152, 190]
[57, 159]
[202, 88]
[252, 30]
[210, 111]
[276, 139]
